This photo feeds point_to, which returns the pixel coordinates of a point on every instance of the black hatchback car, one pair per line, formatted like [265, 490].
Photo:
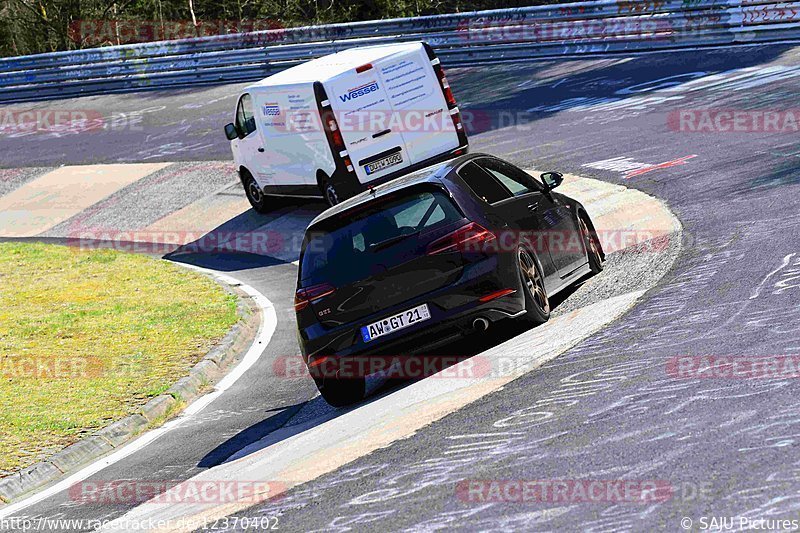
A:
[431, 256]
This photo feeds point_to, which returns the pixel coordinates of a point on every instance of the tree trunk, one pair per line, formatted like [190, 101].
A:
[194, 19]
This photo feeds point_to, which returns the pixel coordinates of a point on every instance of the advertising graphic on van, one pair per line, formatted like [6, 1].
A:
[362, 90]
[271, 110]
[405, 83]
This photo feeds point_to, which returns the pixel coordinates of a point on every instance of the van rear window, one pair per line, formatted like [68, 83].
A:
[346, 252]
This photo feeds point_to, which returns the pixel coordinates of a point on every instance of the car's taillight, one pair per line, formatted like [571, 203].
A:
[335, 133]
[452, 106]
[348, 164]
[448, 92]
[455, 114]
[469, 237]
[335, 137]
[303, 297]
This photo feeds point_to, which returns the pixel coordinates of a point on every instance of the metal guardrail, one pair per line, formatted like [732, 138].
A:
[601, 27]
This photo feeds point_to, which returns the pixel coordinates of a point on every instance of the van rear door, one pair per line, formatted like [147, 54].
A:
[419, 104]
[361, 106]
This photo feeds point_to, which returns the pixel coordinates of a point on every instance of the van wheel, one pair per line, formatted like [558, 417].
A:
[331, 196]
[254, 194]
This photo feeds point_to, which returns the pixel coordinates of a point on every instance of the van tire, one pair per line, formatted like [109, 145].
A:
[329, 193]
[255, 195]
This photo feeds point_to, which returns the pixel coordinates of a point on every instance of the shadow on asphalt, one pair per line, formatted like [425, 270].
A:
[250, 435]
[252, 240]
[224, 261]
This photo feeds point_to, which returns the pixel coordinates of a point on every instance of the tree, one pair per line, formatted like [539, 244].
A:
[36, 26]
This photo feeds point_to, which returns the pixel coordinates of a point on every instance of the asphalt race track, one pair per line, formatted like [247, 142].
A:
[607, 409]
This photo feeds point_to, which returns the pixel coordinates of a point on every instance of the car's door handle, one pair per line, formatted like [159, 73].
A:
[381, 133]
[533, 207]
[261, 150]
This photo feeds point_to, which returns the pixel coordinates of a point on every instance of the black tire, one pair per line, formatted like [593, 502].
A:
[255, 195]
[594, 251]
[342, 392]
[537, 304]
[329, 193]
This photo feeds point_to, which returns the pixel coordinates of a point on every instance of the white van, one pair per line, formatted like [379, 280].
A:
[331, 127]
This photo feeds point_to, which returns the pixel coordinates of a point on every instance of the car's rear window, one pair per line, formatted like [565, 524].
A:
[347, 251]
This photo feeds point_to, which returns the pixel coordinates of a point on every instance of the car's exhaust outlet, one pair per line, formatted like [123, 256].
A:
[480, 324]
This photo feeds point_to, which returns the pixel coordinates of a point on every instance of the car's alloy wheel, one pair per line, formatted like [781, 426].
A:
[537, 304]
[592, 247]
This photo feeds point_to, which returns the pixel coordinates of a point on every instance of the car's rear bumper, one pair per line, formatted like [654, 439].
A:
[453, 310]
[425, 336]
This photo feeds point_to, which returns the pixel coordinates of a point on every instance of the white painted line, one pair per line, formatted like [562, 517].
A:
[262, 339]
[784, 264]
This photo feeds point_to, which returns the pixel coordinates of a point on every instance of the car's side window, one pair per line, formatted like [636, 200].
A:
[483, 184]
[514, 179]
[245, 121]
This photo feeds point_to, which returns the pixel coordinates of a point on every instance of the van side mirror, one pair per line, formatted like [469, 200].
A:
[551, 180]
[230, 132]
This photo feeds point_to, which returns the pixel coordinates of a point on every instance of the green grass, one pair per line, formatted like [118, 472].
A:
[108, 331]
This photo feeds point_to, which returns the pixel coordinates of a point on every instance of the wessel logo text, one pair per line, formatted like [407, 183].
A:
[352, 94]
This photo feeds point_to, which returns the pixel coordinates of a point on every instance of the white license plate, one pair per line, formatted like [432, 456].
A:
[386, 162]
[396, 322]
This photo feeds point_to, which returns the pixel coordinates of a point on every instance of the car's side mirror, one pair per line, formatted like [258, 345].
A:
[551, 180]
[230, 132]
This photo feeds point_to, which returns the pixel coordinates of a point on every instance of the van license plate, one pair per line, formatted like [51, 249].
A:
[396, 322]
[386, 162]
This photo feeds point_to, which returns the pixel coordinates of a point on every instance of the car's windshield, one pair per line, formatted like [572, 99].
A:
[344, 252]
